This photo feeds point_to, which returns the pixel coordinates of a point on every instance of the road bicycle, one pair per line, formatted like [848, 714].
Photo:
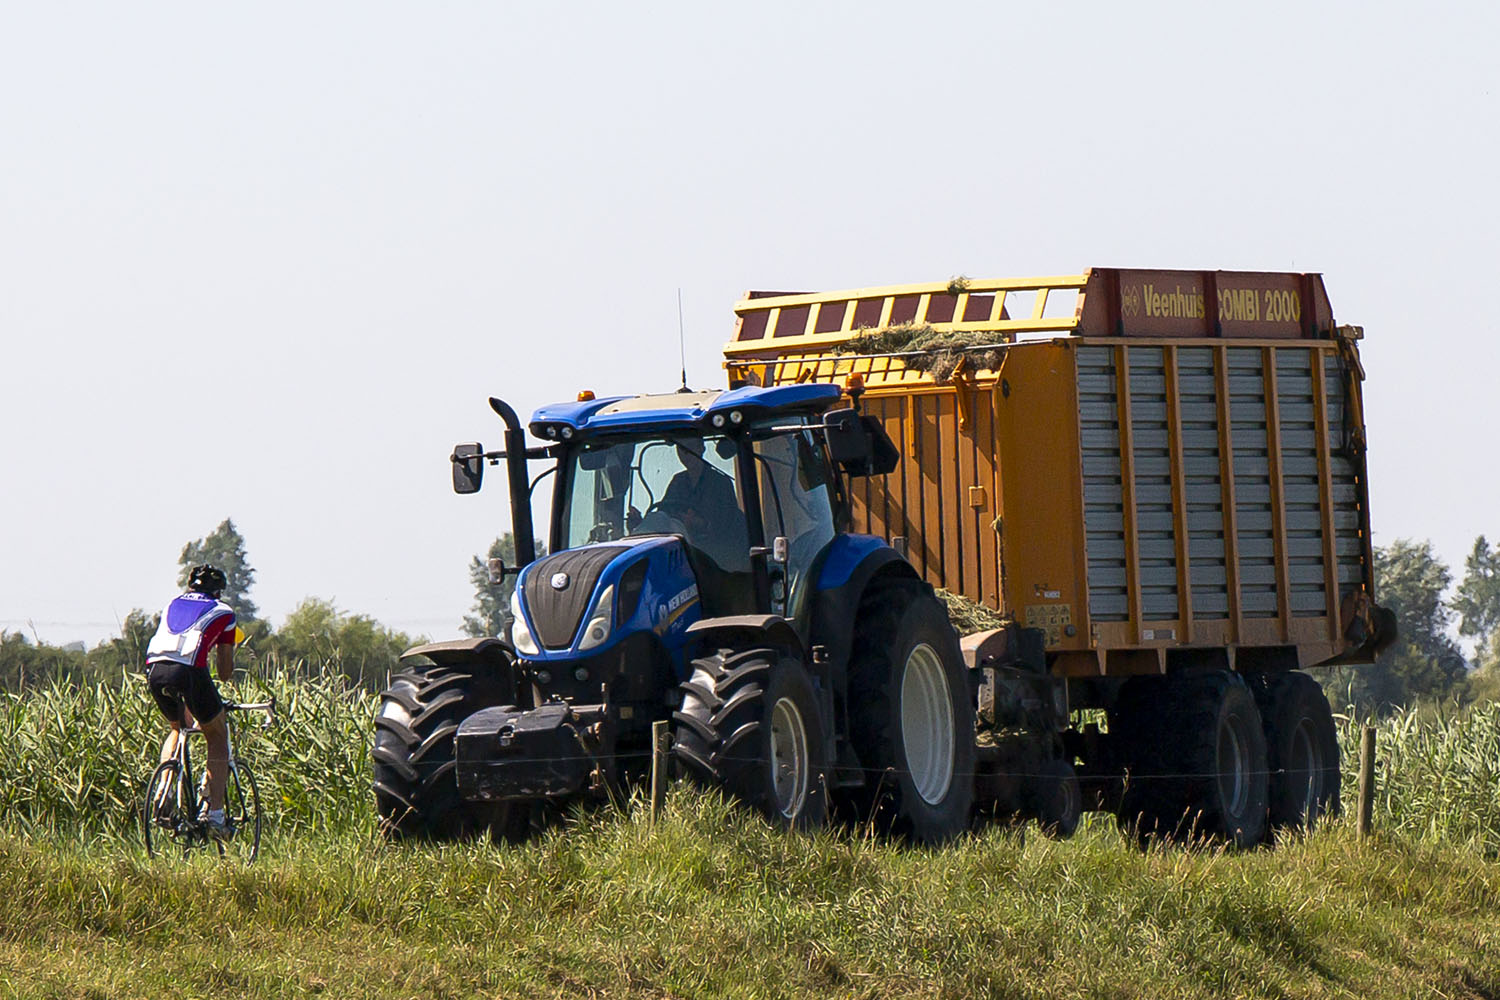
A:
[170, 812]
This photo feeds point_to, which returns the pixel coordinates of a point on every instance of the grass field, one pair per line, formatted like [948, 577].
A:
[710, 902]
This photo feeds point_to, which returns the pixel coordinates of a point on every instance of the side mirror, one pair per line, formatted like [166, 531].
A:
[496, 570]
[859, 444]
[468, 467]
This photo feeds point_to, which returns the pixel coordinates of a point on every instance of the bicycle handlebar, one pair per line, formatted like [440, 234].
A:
[269, 707]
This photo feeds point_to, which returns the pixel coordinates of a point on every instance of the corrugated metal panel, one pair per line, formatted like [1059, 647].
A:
[1301, 496]
[1197, 401]
[1151, 449]
[1103, 507]
[1252, 489]
[1348, 545]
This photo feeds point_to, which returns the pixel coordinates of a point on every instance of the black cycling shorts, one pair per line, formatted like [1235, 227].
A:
[173, 684]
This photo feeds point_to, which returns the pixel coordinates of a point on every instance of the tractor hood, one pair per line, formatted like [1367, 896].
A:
[583, 601]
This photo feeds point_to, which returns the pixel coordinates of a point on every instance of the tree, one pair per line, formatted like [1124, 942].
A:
[319, 634]
[128, 652]
[1424, 663]
[224, 548]
[1477, 602]
[492, 601]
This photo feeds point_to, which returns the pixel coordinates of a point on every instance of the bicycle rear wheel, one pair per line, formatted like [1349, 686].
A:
[242, 813]
[164, 820]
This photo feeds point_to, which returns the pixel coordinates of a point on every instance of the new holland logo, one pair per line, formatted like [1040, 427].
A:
[559, 581]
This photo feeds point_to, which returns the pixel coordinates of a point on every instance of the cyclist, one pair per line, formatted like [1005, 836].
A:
[194, 626]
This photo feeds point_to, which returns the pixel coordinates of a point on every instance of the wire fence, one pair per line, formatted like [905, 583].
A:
[74, 758]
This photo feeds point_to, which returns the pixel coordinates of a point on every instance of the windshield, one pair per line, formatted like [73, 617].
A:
[683, 485]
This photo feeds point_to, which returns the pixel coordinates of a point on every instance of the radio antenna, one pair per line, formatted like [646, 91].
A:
[682, 342]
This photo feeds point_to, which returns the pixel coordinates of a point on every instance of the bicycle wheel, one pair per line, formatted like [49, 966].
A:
[242, 813]
[164, 821]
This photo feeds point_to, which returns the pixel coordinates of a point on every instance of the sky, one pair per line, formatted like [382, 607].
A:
[269, 261]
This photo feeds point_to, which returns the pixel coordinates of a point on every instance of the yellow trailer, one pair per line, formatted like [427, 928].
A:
[1162, 471]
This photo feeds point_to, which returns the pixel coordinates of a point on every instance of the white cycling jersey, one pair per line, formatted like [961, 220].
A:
[191, 625]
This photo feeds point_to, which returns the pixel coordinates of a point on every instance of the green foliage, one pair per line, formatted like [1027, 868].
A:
[76, 756]
[1424, 664]
[1477, 603]
[491, 610]
[224, 547]
[710, 902]
[357, 646]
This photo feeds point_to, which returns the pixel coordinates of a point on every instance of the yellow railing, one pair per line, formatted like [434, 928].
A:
[783, 338]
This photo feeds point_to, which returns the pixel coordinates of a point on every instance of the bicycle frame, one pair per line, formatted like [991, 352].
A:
[184, 827]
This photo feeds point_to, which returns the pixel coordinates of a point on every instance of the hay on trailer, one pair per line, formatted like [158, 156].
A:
[937, 353]
[969, 616]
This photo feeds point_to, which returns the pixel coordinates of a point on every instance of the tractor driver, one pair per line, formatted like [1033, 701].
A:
[703, 499]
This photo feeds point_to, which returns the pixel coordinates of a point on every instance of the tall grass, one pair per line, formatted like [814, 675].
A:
[73, 759]
[1437, 776]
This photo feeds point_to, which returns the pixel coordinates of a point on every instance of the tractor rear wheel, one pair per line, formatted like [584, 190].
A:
[911, 716]
[416, 792]
[1303, 751]
[750, 722]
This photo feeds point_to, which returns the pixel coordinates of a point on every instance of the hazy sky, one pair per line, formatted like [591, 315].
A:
[269, 262]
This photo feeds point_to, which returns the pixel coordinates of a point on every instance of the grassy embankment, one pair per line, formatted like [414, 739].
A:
[710, 902]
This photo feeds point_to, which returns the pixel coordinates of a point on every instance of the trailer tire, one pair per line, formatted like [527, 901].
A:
[1055, 799]
[750, 722]
[1302, 750]
[911, 716]
[1195, 752]
[416, 791]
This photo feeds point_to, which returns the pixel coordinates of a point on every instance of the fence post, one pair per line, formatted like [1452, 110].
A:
[661, 743]
[1367, 781]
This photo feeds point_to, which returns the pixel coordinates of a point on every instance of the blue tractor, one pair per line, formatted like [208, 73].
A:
[702, 571]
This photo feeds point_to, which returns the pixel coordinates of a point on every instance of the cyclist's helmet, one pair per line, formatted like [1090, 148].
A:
[208, 580]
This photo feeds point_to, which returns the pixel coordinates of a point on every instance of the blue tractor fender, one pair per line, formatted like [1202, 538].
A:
[851, 565]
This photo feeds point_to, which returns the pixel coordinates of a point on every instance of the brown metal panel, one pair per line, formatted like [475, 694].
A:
[968, 513]
[931, 524]
[1325, 494]
[1127, 490]
[1180, 531]
[986, 474]
[1144, 303]
[911, 483]
[1226, 485]
[1278, 496]
[952, 491]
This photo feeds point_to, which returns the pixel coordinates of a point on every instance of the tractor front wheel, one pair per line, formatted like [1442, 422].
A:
[750, 722]
[416, 791]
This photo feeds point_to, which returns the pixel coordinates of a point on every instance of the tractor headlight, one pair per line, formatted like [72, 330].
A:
[520, 635]
[601, 621]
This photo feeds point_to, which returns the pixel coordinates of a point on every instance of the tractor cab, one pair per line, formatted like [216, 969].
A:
[746, 482]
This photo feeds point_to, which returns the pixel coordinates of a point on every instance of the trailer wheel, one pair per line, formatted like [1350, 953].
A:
[750, 722]
[1303, 751]
[911, 716]
[1055, 799]
[1195, 758]
[416, 793]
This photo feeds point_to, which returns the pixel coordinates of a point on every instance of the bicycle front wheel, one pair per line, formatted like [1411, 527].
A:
[164, 821]
[242, 813]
